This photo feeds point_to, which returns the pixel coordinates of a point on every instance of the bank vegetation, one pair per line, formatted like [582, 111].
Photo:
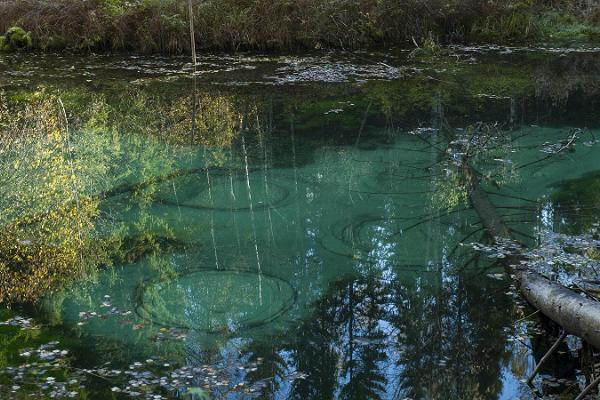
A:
[161, 26]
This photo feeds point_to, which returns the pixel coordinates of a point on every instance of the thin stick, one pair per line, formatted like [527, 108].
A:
[362, 124]
[526, 317]
[192, 36]
[546, 356]
[73, 177]
[571, 140]
[195, 62]
[588, 389]
[90, 373]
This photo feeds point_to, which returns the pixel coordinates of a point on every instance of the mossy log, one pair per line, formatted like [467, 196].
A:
[576, 314]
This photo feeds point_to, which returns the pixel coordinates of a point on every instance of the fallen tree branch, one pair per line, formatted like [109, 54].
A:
[576, 314]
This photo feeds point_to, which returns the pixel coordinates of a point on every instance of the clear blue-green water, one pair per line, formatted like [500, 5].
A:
[313, 218]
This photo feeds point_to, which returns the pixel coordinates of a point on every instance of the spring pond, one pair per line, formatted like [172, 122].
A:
[297, 227]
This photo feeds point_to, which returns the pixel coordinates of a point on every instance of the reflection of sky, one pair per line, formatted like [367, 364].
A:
[288, 244]
[510, 385]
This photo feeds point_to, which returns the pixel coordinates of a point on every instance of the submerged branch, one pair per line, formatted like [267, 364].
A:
[576, 314]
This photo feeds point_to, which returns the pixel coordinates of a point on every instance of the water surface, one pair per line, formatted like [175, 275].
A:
[312, 217]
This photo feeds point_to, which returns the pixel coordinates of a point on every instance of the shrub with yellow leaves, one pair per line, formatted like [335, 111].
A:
[46, 225]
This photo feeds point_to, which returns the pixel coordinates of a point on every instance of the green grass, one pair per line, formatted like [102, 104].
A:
[564, 27]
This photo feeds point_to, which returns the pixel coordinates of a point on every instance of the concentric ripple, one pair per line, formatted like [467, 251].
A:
[233, 192]
[215, 300]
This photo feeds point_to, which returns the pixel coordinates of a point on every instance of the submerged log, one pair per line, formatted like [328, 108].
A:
[577, 315]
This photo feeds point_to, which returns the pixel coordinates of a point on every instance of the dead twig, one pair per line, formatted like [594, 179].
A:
[554, 347]
[588, 389]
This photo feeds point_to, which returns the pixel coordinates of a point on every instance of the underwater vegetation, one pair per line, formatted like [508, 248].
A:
[292, 228]
[60, 170]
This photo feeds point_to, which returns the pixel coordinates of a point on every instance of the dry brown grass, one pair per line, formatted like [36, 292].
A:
[161, 26]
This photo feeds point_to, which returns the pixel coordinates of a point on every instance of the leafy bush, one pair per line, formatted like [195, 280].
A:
[45, 226]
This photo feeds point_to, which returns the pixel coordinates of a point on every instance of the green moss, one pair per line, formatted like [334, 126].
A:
[16, 38]
[498, 80]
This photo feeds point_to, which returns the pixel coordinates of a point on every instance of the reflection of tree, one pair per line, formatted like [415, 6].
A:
[50, 175]
[270, 363]
[369, 336]
[451, 339]
[365, 346]
[558, 80]
[434, 337]
[214, 121]
[317, 349]
[47, 227]
[343, 348]
[473, 156]
[577, 202]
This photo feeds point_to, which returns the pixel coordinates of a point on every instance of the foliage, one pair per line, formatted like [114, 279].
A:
[450, 191]
[477, 144]
[517, 26]
[46, 222]
[162, 26]
[215, 122]
[50, 228]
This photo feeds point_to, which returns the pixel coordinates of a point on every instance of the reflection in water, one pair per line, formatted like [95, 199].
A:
[215, 300]
[378, 337]
[321, 229]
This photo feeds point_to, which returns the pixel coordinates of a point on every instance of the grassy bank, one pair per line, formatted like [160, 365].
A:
[149, 26]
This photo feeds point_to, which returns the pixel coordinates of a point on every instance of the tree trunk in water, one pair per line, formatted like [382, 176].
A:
[577, 315]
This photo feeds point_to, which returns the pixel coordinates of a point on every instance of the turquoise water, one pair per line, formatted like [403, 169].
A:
[314, 219]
